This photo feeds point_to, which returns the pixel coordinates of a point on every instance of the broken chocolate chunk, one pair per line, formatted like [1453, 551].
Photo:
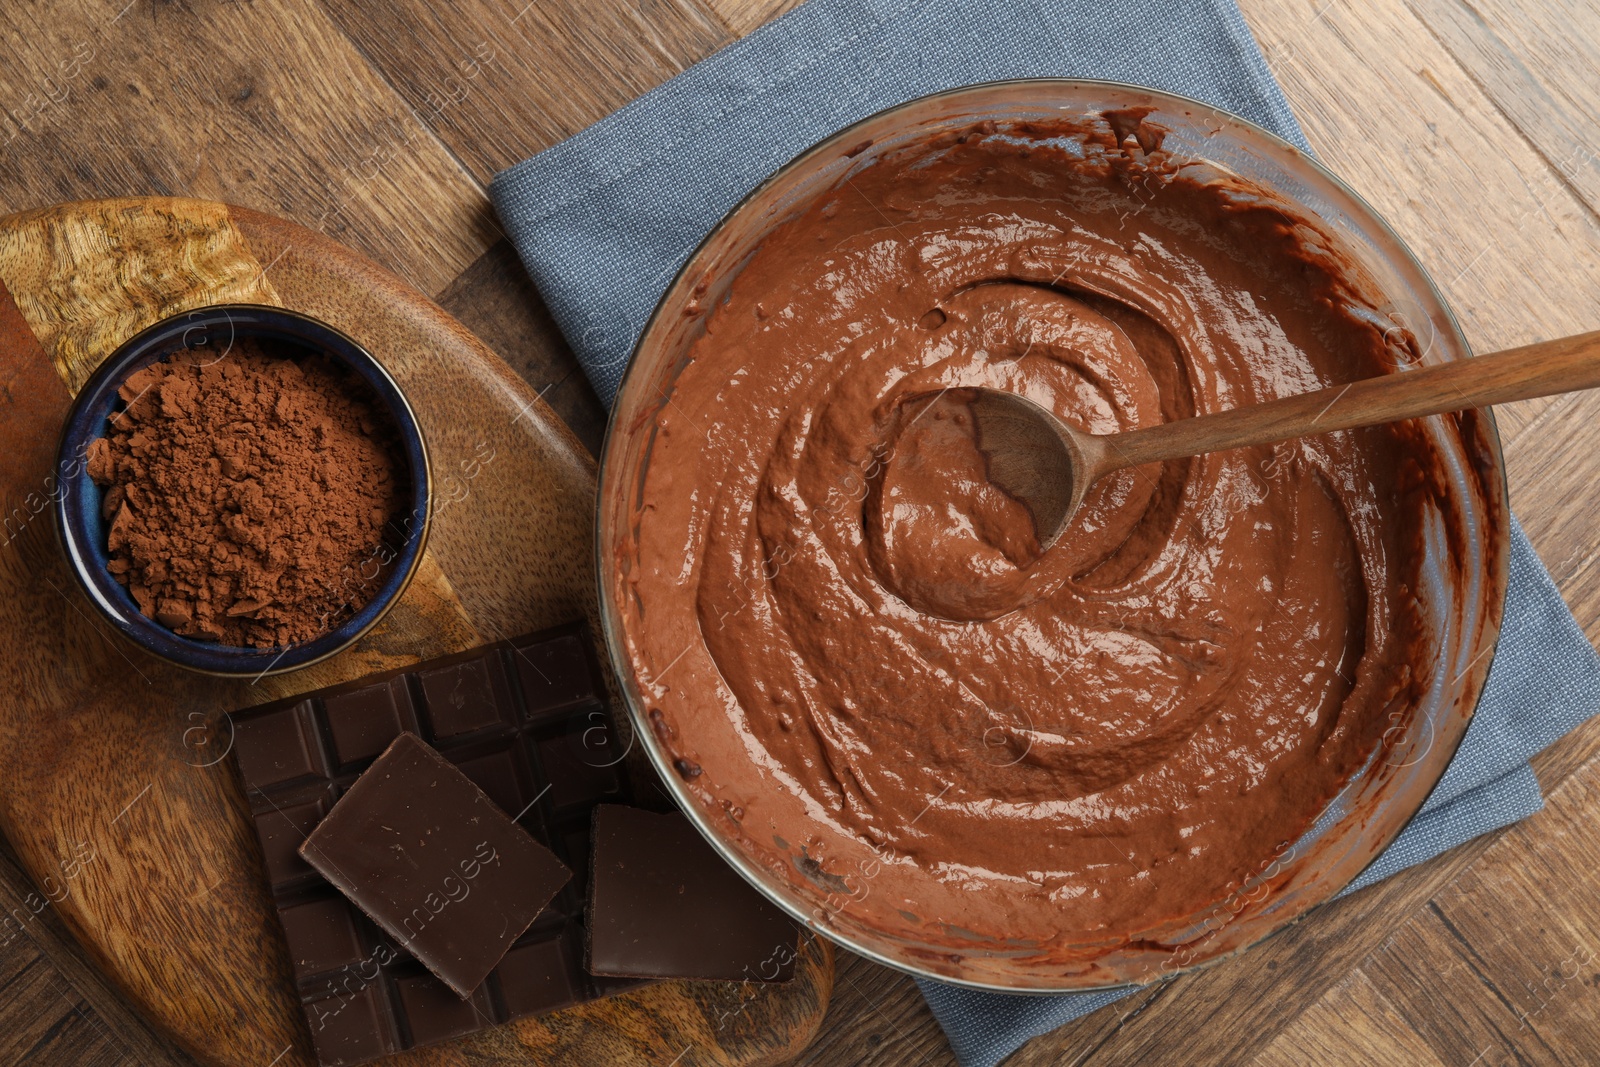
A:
[663, 904]
[435, 862]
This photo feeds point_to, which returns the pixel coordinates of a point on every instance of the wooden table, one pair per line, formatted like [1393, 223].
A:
[1470, 125]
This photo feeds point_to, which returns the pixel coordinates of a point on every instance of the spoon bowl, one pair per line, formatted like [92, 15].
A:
[1034, 456]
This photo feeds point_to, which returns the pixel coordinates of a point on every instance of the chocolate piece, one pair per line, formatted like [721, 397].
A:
[322, 936]
[281, 832]
[276, 748]
[496, 774]
[537, 977]
[578, 777]
[362, 723]
[412, 841]
[296, 756]
[663, 904]
[351, 1027]
[435, 1013]
[577, 842]
[554, 674]
[465, 697]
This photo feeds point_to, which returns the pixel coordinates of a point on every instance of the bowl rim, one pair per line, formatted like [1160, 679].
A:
[80, 427]
[1498, 536]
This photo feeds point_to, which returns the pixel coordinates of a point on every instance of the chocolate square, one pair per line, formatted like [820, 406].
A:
[348, 1028]
[536, 977]
[465, 697]
[575, 842]
[435, 1013]
[362, 722]
[322, 936]
[496, 774]
[578, 777]
[554, 674]
[413, 841]
[281, 831]
[277, 748]
[663, 904]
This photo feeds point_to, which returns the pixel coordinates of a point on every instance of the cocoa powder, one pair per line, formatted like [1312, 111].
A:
[249, 495]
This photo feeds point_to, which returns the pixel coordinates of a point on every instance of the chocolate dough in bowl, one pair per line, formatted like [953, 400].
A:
[1203, 711]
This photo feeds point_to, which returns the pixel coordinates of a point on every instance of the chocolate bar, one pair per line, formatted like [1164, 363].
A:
[526, 721]
[663, 904]
[413, 841]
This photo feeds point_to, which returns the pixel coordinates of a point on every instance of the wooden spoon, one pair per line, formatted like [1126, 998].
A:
[1049, 466]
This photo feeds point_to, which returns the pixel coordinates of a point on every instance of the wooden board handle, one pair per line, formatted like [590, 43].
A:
[1561, 366]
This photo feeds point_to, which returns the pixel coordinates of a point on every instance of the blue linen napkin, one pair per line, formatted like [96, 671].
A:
[603, 221]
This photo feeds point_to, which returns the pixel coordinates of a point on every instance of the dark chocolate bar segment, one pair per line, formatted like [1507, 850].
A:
[546, 749]
[465, 697]
[362, 722]
[663, 904]
[278, 747]
[433, 1012]
[537, 977]
[425, 852]
[555, 674]
[322, 936]
[349, 1028]
[281, 831]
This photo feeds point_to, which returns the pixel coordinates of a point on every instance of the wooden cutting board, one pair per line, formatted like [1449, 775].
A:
[113, 787]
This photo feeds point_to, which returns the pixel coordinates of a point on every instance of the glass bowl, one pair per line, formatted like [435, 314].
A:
[1464, 558]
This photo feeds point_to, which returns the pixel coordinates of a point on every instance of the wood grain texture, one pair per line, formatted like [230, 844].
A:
[1468, 123]
[497, 301]
[26, 974]
[497, 80]
[1426, 141]
[61, 268]
[1353, 1021]
[30, 931]
[262, 104]
[1521, 56]
[1516, 939]
[155, 867]
[742, 16]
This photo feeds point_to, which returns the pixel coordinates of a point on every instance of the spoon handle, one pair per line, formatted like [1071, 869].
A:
[1561, 366]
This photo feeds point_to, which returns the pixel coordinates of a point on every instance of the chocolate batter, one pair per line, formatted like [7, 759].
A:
[1086, 743]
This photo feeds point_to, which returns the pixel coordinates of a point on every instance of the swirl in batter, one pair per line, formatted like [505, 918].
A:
[1092, 740]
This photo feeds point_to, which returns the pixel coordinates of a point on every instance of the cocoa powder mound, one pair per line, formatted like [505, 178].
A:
[249, 495]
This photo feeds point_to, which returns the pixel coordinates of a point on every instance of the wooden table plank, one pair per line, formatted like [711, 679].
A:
[77, 997]
[1409, 128]
[742, 16]
[39, 1028]
[1469, 126]
[1515, 940]
[265, 105]
[1353, 1023]
[1523, 56]
[1525, 923]
[497, 80]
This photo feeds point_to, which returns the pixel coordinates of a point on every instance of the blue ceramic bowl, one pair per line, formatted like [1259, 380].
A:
[83, 531]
